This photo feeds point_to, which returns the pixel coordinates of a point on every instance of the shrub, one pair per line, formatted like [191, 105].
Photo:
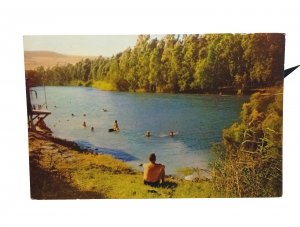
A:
[248, 161]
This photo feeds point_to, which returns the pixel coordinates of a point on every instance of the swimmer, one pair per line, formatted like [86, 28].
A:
[92, 128]
[148, 134]
[171, 133]
[84, 115]
[73, 115]
[84, 124]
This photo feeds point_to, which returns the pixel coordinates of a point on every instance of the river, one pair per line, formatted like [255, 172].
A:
[198, 121]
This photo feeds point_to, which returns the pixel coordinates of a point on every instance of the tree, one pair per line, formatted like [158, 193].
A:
[190, 55]
[187, 63]
[264, 54]
[169, 80]
[143, 52]
[155, 74]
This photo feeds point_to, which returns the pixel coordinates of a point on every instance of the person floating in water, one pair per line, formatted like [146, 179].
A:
[171, 133]
[148, 134]
[73, 115]
[92, 128]
[154, 174]
[116, 126]
[84, 124]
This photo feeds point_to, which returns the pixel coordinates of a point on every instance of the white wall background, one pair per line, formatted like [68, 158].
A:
[55, 17]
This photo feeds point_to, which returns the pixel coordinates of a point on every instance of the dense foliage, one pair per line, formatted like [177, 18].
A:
[248, 162]
[182, 63]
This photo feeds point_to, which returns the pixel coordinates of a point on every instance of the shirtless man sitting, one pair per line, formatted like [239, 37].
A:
[154, 173]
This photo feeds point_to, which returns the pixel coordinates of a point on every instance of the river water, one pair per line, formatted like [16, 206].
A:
[198, 121]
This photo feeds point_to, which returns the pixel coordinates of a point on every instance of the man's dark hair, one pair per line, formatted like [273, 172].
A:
[152, 157]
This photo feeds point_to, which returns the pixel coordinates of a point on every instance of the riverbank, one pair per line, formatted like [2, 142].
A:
[109, 86]
[60, 170]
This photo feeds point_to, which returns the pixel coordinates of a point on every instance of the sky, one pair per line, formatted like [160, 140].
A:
[95, 45]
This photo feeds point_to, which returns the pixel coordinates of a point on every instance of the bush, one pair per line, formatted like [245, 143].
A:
[248, 162]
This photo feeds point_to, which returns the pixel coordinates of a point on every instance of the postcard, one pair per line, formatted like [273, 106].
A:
[155, 116]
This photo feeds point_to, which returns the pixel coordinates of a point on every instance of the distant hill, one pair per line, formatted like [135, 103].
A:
[34, 59]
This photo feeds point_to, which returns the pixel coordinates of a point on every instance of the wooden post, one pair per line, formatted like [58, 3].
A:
[29, 107]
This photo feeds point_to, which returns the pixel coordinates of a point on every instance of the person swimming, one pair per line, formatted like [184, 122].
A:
[92, 128]
[171, 133]
[84, 124]
[148, 134]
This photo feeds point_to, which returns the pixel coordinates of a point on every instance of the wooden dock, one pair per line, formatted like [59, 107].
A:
[39, 116]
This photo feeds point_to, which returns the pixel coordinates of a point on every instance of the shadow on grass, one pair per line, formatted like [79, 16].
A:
[168, 184]
[48, 185]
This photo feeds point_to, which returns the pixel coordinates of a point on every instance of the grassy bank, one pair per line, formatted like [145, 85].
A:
[103, 85]
[58, 170]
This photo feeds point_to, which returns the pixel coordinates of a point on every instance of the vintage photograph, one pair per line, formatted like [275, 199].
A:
[154, 116]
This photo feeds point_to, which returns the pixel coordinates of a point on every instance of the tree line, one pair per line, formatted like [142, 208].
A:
[180, 63]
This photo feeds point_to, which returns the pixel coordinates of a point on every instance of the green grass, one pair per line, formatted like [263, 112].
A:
[71, 174]
[104, 85]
